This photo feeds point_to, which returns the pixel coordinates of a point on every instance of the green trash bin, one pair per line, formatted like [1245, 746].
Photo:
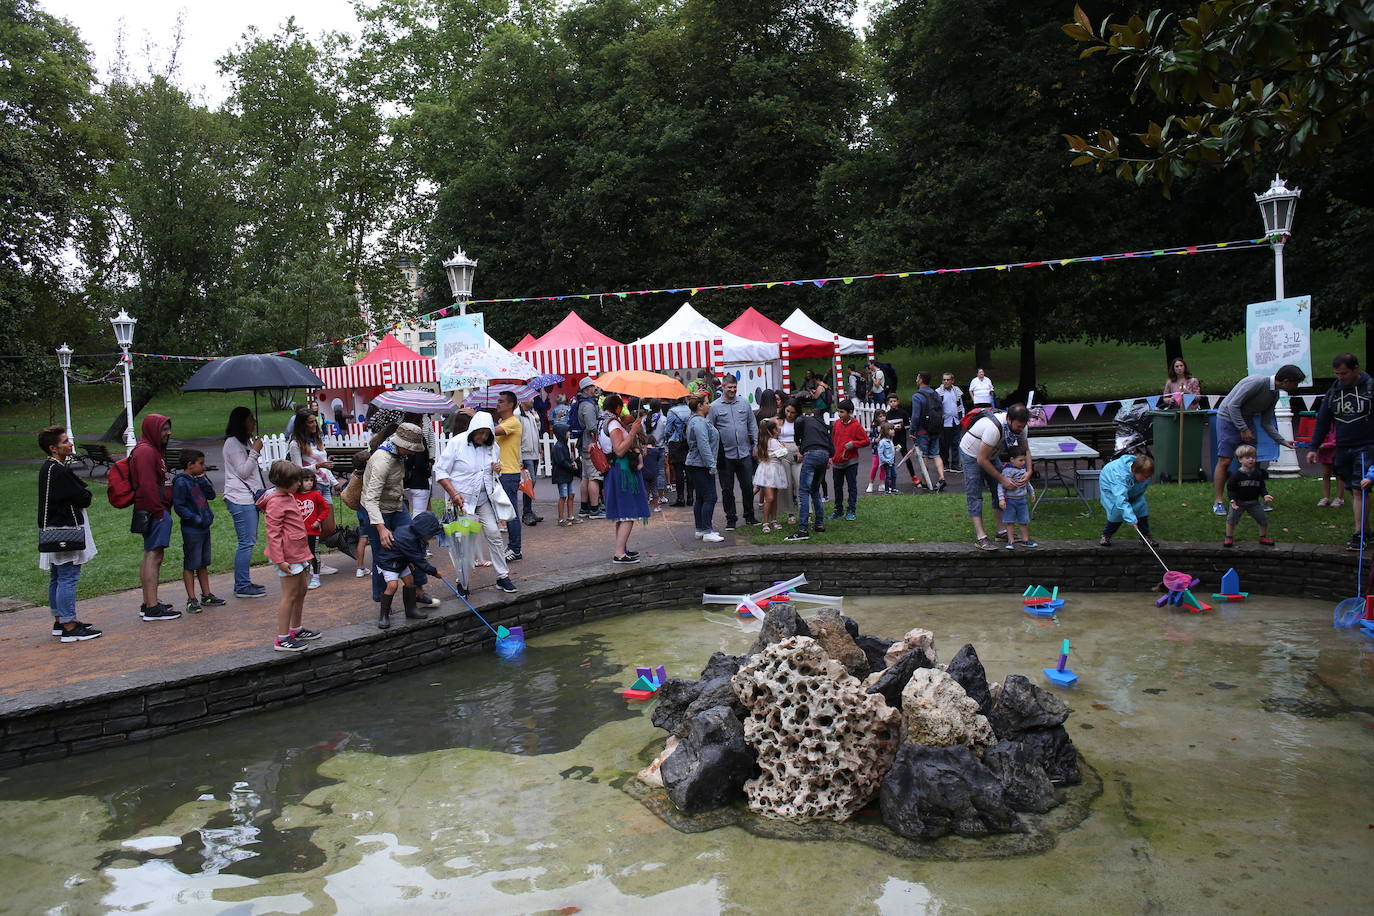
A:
[1165, 429]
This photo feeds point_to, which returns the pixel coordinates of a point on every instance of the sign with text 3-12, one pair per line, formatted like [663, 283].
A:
[459, 332]
[1278, 333]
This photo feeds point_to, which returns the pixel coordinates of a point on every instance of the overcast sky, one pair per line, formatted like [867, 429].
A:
[211, 29]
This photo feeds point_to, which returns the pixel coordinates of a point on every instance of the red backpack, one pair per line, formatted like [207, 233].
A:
[119, 484]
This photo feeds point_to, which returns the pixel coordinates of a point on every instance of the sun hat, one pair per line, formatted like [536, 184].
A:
[409, 437]
[585, 383]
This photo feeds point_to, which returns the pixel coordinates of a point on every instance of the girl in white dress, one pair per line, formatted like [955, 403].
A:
[771, 474]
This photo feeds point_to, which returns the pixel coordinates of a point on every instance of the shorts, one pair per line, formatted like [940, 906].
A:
[159, 532]
[296, 570]
[1228, 439]
[392, 576]
[564, 490]
[589, 472]
[1348, 466]
[1017, 512]
[928, 444]
[195, 548]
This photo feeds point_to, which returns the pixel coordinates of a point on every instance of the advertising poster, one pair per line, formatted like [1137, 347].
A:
[1278, 333]
[452, 336]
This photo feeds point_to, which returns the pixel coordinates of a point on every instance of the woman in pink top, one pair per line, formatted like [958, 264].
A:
[289, 548]
[1180, 383]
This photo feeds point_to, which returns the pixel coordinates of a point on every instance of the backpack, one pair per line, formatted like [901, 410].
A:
[119, 483]
[932, 412]
[973, 416]
[677, 428]
[575, 428]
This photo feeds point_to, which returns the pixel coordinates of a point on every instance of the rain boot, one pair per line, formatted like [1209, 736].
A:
[384, 616]
[412, 612]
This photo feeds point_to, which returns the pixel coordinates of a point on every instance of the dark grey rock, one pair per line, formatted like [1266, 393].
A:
[1025, 784]
[1022, 706]
[828, 629]
[779, 622]
[670, 706]
[711, 763]
[720, 665]
[965, 668]
[895, 677]
[932, 791]
[851, 626]
[715, 692]
[1053, 749]
[875, 647]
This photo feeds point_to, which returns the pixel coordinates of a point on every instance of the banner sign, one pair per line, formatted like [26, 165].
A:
[451, 336]
[1278, 333]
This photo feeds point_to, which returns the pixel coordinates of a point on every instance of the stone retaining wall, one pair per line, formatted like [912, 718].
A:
[49, 724]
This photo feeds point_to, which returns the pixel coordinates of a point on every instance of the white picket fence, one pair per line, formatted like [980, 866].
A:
[276, 447]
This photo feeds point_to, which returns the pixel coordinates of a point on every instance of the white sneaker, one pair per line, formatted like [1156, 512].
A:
[361, 573]
[699, 534]
[327, 570]
[314, 581]
[711, 537]
[870, 489]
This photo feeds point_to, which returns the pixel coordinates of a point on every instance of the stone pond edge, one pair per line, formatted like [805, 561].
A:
[43, 725]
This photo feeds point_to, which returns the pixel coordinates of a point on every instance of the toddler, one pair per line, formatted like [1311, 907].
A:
[1123, 483]
[1015, 501]
[875, 435]
[1246, 489]
[885, 453]
[316, 512]
[191, 495]
[288, 547]
[398, 562]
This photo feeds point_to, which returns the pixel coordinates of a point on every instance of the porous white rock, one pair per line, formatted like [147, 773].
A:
[937, 712]
[823, 744]
[916, 638]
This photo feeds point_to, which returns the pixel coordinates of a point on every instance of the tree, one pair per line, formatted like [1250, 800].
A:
[1244, 82]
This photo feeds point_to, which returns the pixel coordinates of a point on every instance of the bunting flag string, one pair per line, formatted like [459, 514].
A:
[1074, 409]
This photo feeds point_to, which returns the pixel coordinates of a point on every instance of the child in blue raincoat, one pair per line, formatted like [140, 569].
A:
[1122, 491]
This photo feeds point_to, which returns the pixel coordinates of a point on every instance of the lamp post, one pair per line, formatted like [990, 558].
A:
[1277, 206]
[124, 335]
[64, 360]
[460, 269]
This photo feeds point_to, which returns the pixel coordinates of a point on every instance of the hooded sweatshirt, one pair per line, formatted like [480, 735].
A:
[1350, 411]
[148, 467]
[468, 466]
[408, 545]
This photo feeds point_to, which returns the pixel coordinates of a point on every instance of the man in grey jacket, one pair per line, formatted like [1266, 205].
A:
[739, 435]
[1251, 401]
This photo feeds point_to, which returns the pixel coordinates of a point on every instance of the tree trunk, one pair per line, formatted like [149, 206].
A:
[1026, 384]
[1173, 349]
[116, 431]
[982, 354]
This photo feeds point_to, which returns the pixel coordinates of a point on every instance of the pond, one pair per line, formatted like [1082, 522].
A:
[1234, 750]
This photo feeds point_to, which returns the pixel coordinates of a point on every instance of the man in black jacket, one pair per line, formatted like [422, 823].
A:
[1349, 408]
[812, 436]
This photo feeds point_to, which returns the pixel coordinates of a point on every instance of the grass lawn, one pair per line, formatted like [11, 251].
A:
[193, 416]
[1178, 512]
[1079, 371]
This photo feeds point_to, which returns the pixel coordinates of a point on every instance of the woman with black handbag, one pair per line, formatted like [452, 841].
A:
[65, 543]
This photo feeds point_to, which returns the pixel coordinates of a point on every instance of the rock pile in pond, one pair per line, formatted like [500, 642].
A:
[820, 721]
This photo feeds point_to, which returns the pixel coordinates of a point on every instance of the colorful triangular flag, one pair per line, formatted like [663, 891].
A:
[1074, 409]
[1101, 407]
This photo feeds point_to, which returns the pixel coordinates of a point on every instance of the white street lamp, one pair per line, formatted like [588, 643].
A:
[1277, 206]
[124, 335]
[460, 269]
[64, 361]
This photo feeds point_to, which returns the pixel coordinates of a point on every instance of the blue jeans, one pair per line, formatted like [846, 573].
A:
[809, 487]
[511, 484]
[975, 481]
[842, 476]
[62, 591]
[703, 496]
[531, 465]
[890, 476]
[246, 530]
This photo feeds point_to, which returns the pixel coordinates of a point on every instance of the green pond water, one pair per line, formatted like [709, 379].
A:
[1235, 751]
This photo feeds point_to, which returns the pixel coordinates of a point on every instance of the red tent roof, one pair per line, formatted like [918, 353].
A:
[389, 350]
[572, 331]
[755, 326]
[525, 343]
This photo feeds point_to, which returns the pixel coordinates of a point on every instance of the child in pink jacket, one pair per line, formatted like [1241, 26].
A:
[288, 547]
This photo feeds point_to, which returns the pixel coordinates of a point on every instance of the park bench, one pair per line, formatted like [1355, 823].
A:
[97, 456]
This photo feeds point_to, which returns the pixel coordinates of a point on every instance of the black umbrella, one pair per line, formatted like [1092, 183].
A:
[252, 372]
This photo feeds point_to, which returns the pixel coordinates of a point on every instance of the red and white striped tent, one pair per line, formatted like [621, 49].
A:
[390, 363]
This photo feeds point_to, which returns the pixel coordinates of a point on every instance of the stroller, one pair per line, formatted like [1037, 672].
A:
[1134, 431]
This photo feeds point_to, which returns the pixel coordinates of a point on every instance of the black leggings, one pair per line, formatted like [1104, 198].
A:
[1143, 523]
[314, 541]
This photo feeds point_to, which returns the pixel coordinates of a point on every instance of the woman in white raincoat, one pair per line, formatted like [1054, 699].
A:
[466, 472]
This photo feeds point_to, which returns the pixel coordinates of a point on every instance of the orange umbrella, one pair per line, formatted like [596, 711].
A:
[641, 384]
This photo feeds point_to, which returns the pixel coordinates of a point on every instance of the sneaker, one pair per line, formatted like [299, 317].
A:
[424, 600]
[801, 534]
[870, 489]
[314, 582]
[835, 516]
[709, 537]
[984, 543]
[631, 553]
[327, 570]
[1267, 542]
[209, 600]
[80, 632]
[627, 559]
[360, 573]
[1353, 543]
[528, 520]
[1323, 502]
[819, 529]
[563, 522]
[513, 555]
[288, 644]
[1003, 535]
[1029, 544]
[1104, 541]
[192, 606]
[729, 526]
[1228, 541]
[940, 488]
[250, 591]
[57, 626]
[505, 584]
[304, 633]
[598, 512]
[1337, 503]
[699, 534]
[849, 516]
[158, 612]
[576, 521]
[1009, 545]
[1218, 509]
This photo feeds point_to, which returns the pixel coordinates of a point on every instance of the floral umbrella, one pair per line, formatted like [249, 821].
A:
[480, 365]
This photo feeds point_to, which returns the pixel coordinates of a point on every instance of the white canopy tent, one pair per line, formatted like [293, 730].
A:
[801, 323]
[689, 324]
